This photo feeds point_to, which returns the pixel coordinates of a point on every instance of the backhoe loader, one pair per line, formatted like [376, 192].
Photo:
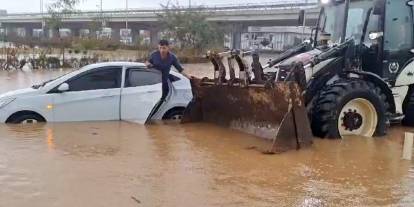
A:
[354, 76]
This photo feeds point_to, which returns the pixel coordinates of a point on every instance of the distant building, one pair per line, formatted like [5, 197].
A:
[3, 12]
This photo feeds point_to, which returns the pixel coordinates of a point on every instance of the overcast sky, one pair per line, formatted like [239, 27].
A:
[34, 5]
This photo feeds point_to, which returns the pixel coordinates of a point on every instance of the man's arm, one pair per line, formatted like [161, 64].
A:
[150, 61]
[177, 64]
[180, 68]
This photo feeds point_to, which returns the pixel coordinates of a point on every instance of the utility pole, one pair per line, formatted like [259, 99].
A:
[304, 22]
[304, 25]
[41, 7]
[102, 16]
[43, 19]
[189, 4]
[127, 14]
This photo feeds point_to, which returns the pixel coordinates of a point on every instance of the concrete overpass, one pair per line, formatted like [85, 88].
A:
[237, 18]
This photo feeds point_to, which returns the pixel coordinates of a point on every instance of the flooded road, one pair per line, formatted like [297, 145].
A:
[124, 164]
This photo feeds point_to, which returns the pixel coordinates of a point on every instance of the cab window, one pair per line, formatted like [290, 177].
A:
[398, 26]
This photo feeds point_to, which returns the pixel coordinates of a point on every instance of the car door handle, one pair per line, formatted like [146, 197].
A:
[108, 96]
[152, 91]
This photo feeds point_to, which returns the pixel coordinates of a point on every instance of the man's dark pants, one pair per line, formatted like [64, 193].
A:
[165, 89]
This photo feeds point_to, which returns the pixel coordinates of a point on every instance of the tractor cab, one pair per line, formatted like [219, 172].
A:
[382, 31]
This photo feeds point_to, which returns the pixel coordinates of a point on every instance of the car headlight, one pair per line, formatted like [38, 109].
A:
[6, 101]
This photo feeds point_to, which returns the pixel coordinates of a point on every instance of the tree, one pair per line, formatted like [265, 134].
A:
[190, 28]
[94, 26]
[58, 10]
[97, 24]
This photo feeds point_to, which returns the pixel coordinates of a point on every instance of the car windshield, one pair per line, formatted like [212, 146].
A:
[37, 86]
[332, 20]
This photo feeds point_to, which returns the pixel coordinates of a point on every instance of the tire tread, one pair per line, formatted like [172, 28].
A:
[324, 119]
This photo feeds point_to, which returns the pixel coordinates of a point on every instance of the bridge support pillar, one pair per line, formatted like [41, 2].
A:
[51, 33]
[154, 36]
[116, 33]
[236, 36]
[135, 35]
[75, 32]
[9, 30]
[28, 32]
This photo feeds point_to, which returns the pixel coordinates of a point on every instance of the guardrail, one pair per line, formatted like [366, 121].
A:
[292, 4]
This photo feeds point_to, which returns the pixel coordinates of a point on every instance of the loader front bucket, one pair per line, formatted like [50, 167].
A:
[276, 113]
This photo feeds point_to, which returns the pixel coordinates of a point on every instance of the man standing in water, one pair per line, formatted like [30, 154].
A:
[162, 60]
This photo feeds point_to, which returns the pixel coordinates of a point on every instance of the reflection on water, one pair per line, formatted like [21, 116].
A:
[125, 164]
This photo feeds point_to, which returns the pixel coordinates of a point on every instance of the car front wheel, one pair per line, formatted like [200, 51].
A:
[27, 119]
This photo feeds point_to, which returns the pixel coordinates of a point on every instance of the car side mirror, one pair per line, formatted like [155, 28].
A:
[63, 87]
[375, 35]
[410, 3]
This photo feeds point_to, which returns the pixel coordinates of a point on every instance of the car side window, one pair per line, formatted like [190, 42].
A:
[102, 78]
[142, 77]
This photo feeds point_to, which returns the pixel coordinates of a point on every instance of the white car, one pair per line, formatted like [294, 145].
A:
[99, 92]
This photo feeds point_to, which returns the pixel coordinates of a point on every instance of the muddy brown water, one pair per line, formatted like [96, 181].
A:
[125, 164]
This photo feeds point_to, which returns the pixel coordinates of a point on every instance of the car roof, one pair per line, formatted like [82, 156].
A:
[104, 64]
[127, 64]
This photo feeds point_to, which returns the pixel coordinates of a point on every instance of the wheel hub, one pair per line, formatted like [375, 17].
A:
[177, 117]
[352, 120]
[29, 121]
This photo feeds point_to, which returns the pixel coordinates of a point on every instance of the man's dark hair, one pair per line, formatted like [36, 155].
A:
[164, 43]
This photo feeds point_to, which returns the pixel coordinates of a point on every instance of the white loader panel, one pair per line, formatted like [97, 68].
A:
[399, 95]
[406, 77]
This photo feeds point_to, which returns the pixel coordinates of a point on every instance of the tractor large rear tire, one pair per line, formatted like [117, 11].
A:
[350, 107]
[409, 109]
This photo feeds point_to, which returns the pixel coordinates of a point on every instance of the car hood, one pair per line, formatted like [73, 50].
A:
[18, 93]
